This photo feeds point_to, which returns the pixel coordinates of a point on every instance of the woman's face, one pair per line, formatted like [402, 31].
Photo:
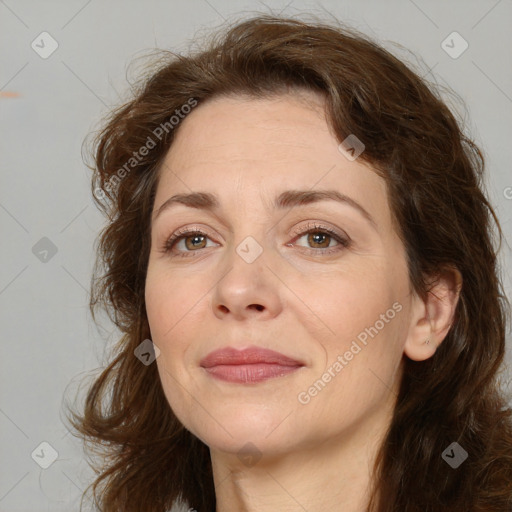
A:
[339, 304]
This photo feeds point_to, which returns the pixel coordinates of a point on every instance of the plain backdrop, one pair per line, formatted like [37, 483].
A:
[48, 220]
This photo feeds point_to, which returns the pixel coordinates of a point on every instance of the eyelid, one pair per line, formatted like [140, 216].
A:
[316, 225]
[312, 226]
[188, 230]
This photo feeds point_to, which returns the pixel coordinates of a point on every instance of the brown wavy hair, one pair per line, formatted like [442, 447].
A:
[434, 175]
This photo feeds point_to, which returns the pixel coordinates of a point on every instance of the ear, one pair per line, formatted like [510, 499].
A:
[432, 317]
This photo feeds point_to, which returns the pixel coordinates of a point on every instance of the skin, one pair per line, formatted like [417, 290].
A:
[313, 456]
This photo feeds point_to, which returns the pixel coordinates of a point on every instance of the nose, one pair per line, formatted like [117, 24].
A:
[247, 290]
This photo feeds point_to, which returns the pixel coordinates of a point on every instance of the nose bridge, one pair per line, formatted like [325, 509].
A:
[254, 230]
[250, 228]
[247, 285]
[252, 246]
[247, 259]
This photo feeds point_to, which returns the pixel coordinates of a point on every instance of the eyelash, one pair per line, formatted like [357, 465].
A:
[344, 242]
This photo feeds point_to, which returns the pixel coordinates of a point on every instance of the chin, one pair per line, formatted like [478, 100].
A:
[239, 427]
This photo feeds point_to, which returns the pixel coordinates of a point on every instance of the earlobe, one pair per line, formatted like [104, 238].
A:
[420, 343]
[432, 317]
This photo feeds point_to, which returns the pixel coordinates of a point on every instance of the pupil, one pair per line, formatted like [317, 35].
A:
[194, 240]
[317, 238]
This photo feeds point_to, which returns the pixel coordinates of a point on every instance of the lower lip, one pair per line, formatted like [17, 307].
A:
[246, 373]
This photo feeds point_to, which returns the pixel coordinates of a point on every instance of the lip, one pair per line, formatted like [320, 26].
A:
[253, 364]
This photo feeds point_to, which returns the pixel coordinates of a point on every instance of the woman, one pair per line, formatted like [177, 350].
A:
[300, 256]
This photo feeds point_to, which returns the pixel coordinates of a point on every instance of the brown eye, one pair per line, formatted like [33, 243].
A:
[195, 241]
[318, 239]
[192, 242]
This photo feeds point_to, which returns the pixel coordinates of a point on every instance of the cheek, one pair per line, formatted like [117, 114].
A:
[358, 317]
[345, 303]
[159, 306]
[171, 301]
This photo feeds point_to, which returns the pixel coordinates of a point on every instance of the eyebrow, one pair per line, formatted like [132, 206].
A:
[287, 199]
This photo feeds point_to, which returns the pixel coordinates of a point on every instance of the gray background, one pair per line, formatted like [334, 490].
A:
[49, 340]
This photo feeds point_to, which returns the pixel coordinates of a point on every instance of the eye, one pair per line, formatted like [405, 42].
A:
[192, 239]
[318, 236]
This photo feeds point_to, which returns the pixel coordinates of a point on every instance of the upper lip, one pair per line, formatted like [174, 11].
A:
[250, 355]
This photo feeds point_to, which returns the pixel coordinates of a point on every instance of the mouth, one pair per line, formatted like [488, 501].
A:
[251, 365]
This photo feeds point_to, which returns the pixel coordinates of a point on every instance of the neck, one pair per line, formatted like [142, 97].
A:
[335, 474]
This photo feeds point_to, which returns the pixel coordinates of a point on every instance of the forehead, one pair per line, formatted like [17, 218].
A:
[239, 127]
[253, 147]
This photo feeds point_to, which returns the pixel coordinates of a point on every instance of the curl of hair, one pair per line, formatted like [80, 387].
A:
[434, 176]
